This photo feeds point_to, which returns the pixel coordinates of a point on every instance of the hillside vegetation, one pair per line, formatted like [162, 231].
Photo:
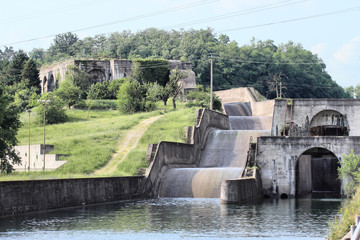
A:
[260, 64]
[89, 139]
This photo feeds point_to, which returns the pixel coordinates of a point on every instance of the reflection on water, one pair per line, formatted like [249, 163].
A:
[178, 219]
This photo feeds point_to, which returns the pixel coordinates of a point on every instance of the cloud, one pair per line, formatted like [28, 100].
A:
[318, 48]
[349, 51]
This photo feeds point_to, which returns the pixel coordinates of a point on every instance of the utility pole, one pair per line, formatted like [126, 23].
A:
[44, 102]
[29, 111]
[211, 82]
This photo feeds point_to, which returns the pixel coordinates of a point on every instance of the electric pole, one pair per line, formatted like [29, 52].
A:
[211, 82]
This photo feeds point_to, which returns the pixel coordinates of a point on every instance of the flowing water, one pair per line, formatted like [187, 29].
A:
[178, 218]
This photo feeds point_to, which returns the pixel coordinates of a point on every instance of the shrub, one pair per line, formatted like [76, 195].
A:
[200, 97]
[54, 111]
[135, 97]
[99, 91]
[350, 172]
[69, 93]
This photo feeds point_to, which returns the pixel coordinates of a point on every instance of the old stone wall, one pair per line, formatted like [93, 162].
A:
[306, 113]
[30, 196]
[172, 155]
[104, 70]
[277, 158]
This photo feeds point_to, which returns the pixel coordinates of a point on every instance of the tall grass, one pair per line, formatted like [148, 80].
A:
[339, 227]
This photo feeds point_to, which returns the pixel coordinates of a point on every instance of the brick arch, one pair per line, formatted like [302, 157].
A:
[329, 123]
[51, 83]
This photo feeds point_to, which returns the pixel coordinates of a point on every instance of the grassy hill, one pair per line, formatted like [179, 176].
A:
[90, 137]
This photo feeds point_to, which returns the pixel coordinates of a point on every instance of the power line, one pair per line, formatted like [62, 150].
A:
[262, 62]
[238, 13]
[295, 19]
[147, 15]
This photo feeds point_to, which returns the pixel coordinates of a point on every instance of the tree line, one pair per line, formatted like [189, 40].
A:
[255, 64]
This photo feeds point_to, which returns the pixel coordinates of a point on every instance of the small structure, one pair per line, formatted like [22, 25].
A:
[37, 158]
[104, 70]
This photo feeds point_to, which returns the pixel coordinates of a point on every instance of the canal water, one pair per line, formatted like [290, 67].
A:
[178, 218]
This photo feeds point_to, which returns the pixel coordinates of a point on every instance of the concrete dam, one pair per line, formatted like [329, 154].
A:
[224, 157]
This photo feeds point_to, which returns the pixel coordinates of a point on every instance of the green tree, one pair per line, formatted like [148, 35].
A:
[350, 172]
[64, 44]
[54, 109]
[174, 85]
[200, 97]
[151, 70]
[31, 73]
[135, 97]
[99, 91]
[68, 93]
[9, 125]
[78, 78]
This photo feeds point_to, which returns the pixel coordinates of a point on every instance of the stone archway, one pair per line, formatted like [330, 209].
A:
[329, 123]
[51, 84]
[316, 173]
[96, 76]
[44, 82]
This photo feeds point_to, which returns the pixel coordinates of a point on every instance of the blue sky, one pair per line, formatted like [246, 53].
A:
[322, 26]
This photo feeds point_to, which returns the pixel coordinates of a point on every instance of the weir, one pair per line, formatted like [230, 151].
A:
[224, 156]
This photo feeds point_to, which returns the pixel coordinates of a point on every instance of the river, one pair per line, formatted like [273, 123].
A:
[178, 218]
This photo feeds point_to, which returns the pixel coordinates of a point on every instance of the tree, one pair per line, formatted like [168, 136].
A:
[31, 73]
[135, 97]
[78, 78]
[200, 97]
[9, 125]
[174, 85]
[151, 70]
[54, 110]
[350, 171]
[64, 44]
[68, 93]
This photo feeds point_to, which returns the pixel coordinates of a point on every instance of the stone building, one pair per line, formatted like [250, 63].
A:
[104, 70]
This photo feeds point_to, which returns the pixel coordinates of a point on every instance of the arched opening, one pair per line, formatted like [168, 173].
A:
[96, 76]
[329, 123]
[44, 84]
[51, 83]
[316, 173]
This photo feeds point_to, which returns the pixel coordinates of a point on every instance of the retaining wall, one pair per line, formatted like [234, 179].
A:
[30, 196]
[242, 190]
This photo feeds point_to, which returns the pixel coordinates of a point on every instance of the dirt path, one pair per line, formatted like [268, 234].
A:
[126, 144]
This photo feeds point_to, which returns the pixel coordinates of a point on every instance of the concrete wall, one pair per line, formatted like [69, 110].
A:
[171, 155]
[258, 108]
[37, 158]
[304, 111]
[277, 158]
[242, 190]
[30, 196]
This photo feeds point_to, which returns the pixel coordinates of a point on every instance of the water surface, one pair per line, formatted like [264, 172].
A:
[176, 218]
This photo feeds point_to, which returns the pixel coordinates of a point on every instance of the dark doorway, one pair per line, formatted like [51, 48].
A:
[316, 174]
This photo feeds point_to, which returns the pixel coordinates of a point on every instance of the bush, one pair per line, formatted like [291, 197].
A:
[200, 97]
[69, 93]
[54, 111]
[135, 97]
[350, 172]
[99, 91]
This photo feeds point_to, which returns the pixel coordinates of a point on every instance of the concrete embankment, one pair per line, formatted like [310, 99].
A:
[38, 195]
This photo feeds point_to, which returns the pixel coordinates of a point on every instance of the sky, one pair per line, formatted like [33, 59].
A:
[328, 28]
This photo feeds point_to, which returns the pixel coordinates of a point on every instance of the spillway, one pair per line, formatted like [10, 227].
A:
[224, 156]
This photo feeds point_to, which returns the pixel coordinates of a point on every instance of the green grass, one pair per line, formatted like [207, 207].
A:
[339, 227]
[168, 128]
[89, 139]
